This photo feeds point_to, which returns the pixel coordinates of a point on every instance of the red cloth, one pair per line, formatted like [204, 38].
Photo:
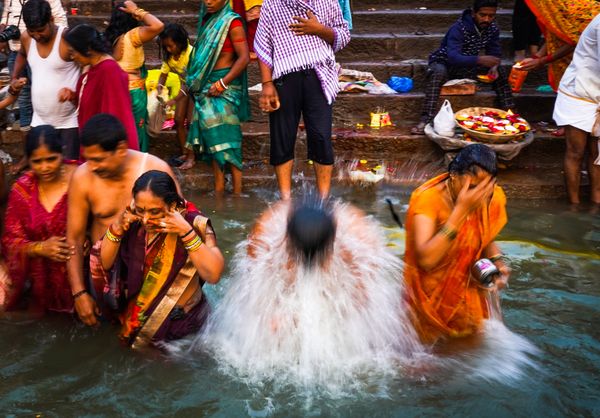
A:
[252, 25]
[28, 221]
[106, 90]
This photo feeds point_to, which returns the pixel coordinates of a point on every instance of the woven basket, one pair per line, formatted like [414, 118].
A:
[485, 136]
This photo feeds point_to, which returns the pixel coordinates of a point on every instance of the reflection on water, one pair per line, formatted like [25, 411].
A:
[544, 362]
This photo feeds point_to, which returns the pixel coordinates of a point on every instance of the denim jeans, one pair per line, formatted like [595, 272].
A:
[25, 108]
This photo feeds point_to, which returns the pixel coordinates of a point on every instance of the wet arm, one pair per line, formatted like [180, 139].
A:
[208, 260]
[77, 218]
[431, 244]
[240, 45]
[108, 253]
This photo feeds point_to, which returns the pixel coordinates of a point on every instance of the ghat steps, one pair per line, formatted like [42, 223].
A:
[389, 38]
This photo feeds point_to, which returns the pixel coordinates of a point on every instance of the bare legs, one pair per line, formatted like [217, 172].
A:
[236, 177]
[577, 142]
[284, 179]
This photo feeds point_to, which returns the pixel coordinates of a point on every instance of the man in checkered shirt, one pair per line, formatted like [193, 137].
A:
[471, 47]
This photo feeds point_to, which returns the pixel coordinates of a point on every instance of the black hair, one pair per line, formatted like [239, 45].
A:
[177, 34]
[120, 23]
[85, 38]
[311, 231]
[42, 135]
[36, 13]
[478, 4]
[473, 156]
[161, 185]
[104, 130]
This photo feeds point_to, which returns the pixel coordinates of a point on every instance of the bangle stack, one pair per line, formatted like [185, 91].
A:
[448, 232]
[112, 236]
[192, 243]
[225, 86]
[139, 14]
[36, 248]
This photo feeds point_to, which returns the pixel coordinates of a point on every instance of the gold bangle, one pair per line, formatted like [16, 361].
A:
[139, 14]
[36, 248]
[195, 247]
[448, 232]
[113, 238]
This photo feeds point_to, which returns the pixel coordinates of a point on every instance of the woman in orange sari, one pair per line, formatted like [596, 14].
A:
[562, 22]
[452, 222]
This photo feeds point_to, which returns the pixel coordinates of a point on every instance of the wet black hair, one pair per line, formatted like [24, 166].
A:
[120, 23]
[36, 13]
[104, 130]
[42, 135]
[177, 34]
[85, 38]
[478, 4]
[161, 185]
[311, 231]
[473, 156]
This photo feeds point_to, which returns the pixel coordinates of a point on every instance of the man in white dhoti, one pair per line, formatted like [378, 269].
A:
[576, 108]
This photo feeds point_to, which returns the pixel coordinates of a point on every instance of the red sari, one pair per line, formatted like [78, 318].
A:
[105, 89]
[28, 221]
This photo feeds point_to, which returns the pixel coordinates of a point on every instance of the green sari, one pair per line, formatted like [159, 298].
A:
[215, 126]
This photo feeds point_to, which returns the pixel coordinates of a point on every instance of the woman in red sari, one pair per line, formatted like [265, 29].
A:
[103, 86]
[33, 244]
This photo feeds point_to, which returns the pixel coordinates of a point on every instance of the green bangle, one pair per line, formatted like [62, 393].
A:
[448, 232]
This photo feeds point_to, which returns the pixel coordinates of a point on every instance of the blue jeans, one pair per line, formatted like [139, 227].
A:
[25, 108]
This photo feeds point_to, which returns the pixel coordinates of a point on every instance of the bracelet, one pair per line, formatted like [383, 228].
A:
[218, 86]
[448, 232]
[193, 244]
[225, 86]
[112, 237]
[80, 293]
[266, 82]
[36, 248]
[186, 234]
[496, 257]
[139, 14]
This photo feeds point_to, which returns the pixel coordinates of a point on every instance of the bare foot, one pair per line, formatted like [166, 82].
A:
[187, 164]
[419, 129]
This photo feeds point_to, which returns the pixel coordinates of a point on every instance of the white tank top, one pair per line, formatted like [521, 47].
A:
[48, 76]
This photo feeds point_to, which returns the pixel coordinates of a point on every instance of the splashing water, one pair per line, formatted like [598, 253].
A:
[317, 328]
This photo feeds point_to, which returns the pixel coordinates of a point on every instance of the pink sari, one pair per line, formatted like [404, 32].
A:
[105, 89]
[27, 221]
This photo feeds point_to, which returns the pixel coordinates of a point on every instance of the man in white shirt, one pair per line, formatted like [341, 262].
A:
[576, 108]
[12, 15]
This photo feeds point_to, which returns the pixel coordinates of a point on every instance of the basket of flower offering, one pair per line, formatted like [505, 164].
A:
[494, 126]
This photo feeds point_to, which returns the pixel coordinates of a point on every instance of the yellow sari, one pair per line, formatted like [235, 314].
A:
[562, 21]
[444, 301]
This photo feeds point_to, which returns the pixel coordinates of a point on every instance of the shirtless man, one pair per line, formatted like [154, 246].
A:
[100, 187]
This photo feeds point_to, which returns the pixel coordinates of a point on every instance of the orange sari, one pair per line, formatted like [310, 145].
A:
[562, 21]
[444, 301]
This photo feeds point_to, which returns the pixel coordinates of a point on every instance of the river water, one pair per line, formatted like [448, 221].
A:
[545, 362]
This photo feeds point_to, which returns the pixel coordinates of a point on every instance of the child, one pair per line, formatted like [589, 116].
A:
[176, 50]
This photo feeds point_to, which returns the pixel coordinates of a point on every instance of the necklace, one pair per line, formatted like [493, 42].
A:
[63, 185]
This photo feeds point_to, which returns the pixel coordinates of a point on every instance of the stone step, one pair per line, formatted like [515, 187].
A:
[191, 6]
[353, 108]
[401, 46]
[412, 20]
[368, 21]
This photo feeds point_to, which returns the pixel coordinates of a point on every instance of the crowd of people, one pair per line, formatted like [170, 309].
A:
[100, 227]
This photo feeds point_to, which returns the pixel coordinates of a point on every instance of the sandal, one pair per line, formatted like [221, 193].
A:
[418, 129]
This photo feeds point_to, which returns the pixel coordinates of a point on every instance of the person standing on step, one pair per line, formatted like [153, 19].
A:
[576, 108]
[127, 38]
[12, 15]
[299, 77]
[460, 56]
[52, 69]
[219, 89]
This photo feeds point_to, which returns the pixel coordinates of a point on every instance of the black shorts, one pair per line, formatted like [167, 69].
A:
[300, 93]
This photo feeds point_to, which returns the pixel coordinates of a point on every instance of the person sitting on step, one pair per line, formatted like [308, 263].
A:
[459, 57]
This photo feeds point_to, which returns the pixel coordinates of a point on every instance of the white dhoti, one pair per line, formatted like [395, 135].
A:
[579, 113]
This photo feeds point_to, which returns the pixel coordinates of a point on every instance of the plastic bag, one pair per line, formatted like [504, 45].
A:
[156, 114]
[401, 84]
[444, 123]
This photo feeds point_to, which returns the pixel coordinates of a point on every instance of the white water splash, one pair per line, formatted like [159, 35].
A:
[318, 328]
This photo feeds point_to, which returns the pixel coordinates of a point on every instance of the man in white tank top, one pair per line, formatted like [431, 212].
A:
[52, 70]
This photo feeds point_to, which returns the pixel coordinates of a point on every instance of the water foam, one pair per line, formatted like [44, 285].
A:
[320, 327]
